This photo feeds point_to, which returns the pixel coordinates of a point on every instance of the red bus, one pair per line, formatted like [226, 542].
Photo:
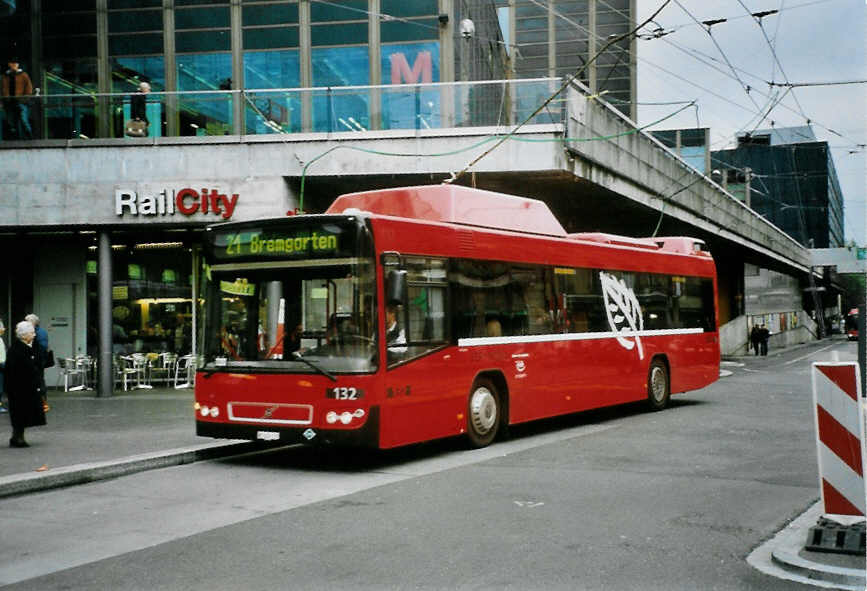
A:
[405, 315]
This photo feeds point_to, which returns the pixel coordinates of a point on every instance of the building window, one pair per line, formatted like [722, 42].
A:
[135, 48]
[340, 57]
[409, 64]
[204, 63]
[271, 60]
[69, 47]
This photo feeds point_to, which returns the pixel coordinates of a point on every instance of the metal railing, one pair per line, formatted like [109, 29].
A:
[349, 109]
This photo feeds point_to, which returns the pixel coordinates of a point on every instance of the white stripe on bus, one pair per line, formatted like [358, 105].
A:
[579, 336]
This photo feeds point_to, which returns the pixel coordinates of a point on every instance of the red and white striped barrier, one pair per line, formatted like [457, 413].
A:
[840, 437]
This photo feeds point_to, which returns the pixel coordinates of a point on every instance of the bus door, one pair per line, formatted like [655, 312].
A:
[420, 398]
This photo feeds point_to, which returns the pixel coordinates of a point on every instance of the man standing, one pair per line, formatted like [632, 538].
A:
[17, 87]
[764, 336]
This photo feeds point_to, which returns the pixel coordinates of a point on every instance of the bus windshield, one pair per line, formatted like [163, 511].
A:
[274, 293]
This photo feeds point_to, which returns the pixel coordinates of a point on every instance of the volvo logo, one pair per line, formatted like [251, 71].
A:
[269, 412]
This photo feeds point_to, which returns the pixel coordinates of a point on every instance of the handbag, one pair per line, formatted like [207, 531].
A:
[136, 128]
[49, 358]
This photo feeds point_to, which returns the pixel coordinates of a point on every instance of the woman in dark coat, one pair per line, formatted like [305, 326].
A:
[24, 385]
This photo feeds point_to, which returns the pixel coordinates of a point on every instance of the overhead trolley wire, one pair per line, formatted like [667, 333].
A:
[565, 84]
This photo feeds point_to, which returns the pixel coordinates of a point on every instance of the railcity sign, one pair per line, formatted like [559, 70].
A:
[169, 202]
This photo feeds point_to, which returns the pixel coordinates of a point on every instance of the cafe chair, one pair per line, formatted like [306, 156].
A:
[87, 364]
[134, 372]
[184, 367]
[70, 371]
[162, 368]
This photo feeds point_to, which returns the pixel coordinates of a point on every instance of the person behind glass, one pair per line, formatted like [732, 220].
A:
[394, 334]
[293, 341]
[42, 344]
[138, 103]
[24, 384]
[2, 367]
[17, 88]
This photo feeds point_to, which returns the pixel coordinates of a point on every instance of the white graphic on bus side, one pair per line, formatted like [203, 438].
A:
[623, 311]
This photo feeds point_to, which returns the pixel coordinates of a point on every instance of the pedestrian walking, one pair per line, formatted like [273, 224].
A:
[764, 336]
[24, 384]
[2, 368]
[16, 89]
[755, 339]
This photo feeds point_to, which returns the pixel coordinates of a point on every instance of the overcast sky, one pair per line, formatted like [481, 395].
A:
[815, 41]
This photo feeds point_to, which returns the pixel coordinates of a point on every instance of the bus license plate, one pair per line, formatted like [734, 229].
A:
[267, 435]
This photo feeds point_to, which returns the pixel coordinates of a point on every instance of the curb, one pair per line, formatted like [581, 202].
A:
[847, 578]
[781, 557]
[27, 482]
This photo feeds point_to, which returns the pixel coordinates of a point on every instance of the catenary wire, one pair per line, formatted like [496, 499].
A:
[565, 84]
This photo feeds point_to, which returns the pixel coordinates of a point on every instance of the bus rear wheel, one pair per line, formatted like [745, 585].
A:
[483, 413]
[658, 385]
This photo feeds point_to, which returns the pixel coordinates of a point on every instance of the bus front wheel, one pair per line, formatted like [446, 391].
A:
[483, 413]
[658, 385]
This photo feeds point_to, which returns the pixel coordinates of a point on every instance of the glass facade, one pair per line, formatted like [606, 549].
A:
[135, 48]
[271, 60]
[219, 67]
[558, 39]
[151, 300]
[69, 46]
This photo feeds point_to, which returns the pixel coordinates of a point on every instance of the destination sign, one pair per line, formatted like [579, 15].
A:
[258, 242]
[291, 239]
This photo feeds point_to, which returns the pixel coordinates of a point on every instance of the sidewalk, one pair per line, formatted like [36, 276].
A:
[89, 438]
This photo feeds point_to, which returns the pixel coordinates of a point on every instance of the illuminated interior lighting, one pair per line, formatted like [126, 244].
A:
[158, 245]
[162, 300]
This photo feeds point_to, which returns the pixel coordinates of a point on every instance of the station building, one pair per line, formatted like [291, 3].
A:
[76, 200]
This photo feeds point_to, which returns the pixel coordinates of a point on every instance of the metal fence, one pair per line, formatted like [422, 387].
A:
[284, 111]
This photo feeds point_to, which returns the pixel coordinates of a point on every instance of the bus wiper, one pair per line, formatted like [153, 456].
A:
[297, 356]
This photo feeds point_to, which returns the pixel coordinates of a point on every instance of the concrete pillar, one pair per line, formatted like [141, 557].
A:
[552, 42]
[104, 301]
[239, 126]
[197, 265]
[592, 47]
[374, 49]
[103, 68]
[171, 67]
[305, 52]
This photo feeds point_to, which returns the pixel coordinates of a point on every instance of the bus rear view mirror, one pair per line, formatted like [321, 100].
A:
[395, 288]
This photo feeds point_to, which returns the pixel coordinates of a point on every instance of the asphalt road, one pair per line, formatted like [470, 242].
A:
[617, 499]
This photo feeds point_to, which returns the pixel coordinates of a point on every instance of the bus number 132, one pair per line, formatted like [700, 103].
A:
[344, 393]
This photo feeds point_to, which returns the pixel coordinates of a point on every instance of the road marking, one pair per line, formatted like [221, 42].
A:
[810, 354]
[529, 504]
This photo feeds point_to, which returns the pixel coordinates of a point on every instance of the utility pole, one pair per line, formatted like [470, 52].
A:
[748, 176]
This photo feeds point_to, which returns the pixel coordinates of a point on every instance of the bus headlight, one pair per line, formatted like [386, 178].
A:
[346, 418]
[205, 411]
[331, 417]
[215, 412]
